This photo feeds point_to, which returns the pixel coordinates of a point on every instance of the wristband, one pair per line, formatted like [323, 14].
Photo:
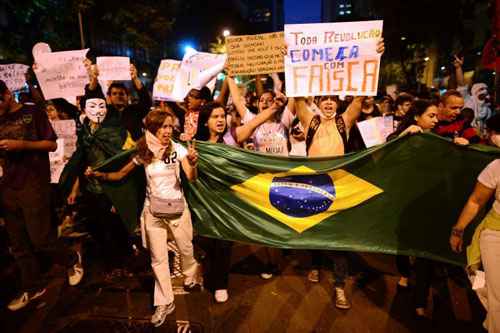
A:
[457, 232]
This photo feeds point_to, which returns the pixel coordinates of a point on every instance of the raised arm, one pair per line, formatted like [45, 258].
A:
[353, 111]
[246, 130]
[238, 100]
[459, 72]
[299, 106]
[259, 87]
[224, 93]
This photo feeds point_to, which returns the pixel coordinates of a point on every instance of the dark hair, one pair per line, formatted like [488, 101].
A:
[3, 87]
[65, 107]
[418, 108]
[152, 122]
[117, 85]
[493, 123]
[203, 132]
[206, 94]
[449, 93]
[467, 113]
[403, 98]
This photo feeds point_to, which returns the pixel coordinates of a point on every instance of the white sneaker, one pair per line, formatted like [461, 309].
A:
[341, 301]
[221, 295]
[75, 273]
[22, 300]
[161, 313]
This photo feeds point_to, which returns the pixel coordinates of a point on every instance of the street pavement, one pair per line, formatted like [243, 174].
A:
[285, 303]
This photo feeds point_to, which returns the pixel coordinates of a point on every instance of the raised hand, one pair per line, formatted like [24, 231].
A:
[192, 154]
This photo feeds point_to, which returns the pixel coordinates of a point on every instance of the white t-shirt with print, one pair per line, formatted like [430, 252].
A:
[490, 177]
[163, 176]
[270, 137]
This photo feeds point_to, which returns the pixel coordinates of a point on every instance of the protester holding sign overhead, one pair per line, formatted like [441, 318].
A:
[130, 115]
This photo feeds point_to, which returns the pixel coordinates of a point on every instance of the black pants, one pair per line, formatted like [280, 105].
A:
[107, 229]
[219, 257]
[28, 223]
[403, 265]
[424, 269]
[340, 264]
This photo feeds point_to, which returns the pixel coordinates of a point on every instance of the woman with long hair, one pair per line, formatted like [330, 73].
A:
[165, 207]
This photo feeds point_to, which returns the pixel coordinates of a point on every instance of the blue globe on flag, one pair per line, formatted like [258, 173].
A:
[302, 195]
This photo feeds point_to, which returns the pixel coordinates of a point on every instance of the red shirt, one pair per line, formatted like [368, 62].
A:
[23, 167]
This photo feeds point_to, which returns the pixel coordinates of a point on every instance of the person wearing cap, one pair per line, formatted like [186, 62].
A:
[26, 138]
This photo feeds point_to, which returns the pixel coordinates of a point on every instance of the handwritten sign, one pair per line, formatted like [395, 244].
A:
[375, 131]
[113, 68]
[66, 146]
[255, 54]
[163, 87]
[197, 69]
[62, 74]
[13, 75]
[332, 58]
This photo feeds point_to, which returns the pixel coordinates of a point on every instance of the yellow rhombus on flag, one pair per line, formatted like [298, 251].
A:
[302, 198]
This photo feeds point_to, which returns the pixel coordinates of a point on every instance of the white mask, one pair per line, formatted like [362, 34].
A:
[495, 139]
[95, 109]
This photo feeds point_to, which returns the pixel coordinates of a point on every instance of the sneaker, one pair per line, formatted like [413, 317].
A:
[266, 276]
[195, 282]
[221, 295]
[341, 301]
[313, 275]
[161, 312]
[22, 300]
[75, 273]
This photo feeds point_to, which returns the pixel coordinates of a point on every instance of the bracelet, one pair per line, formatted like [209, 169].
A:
[457, 232]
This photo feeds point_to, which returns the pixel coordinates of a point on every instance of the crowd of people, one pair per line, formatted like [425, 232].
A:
[264, 120]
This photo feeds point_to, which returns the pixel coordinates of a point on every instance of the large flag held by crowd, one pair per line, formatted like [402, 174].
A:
[398, 198]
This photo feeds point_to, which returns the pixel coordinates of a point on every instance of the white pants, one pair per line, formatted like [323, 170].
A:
[490, 257]
[156, 237]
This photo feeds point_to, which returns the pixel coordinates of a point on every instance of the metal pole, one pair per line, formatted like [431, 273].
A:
[82, 40]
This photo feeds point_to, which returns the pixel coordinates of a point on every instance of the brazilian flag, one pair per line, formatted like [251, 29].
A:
[402, 197]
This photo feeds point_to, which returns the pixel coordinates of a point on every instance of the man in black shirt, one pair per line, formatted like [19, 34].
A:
[131, 115]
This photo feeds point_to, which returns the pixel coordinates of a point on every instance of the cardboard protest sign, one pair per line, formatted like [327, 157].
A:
[332, 58]
[113, 68]
[66, 146]
[197, 69]
[13, 75]
[163, 87]
[62, 74]
[376, 130]
[255, 54]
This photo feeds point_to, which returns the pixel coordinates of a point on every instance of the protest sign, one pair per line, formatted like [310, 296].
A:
[376, 130]
[13, 75]
[66, 146]
[40, 48]
[197, 69]
[113, 68]
[255, 54]
[62, 74]
[332, 58]
[163, 87]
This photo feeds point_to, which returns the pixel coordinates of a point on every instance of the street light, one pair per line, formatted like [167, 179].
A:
[426, 59]
[226, 33]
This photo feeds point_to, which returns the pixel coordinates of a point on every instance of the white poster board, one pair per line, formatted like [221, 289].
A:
[163, 87]
[62, 74]
[376, 130]
[332, 58]
[113, 68]
[66, 146]
[197, 69]
[14, 75]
